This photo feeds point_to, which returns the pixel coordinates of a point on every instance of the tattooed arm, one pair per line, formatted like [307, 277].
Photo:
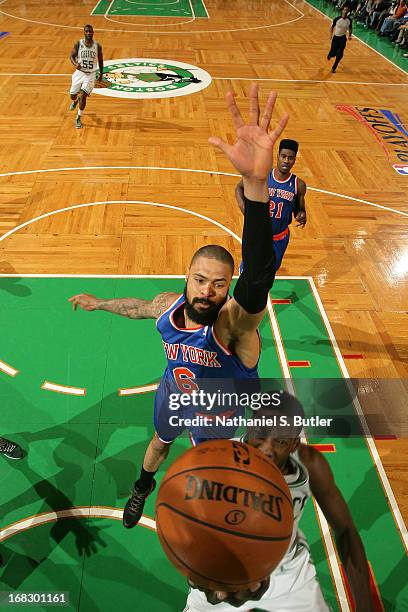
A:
[133, 308]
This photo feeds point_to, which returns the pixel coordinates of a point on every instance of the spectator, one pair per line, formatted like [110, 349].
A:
[392, 22]
[363, 9]
[373, 8]
[402, 38]
[381, 7]
[387, 12]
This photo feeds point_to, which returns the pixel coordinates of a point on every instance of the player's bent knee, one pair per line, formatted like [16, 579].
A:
[159, 445]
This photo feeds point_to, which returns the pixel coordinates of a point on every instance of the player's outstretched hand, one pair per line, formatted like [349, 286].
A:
[86, 301]
[237, 598]
[252, 153]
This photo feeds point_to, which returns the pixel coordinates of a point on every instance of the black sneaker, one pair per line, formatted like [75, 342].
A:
[134, 506]
[333, 70]
[10, 449]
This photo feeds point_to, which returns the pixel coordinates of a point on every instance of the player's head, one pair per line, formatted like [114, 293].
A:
[277, 441]
[89, 32]
[208, 280]
[345, 11]
[287, 155]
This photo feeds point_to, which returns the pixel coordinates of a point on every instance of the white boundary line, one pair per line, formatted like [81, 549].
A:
[280, 348]
[125, 276]
[105, 276]
[192, 10]
[50, 386]
[176, 32]
[358, 38]
[357, 406]
[153, 3]
[294, 277]
[109, 7]
[158, 204]
[99, 1]
[151, 25]
[331, 556]
[224, 78]
[332, 560]
[215, 172]
[399, 212]
[325, 82]
[294, 7]
[70, 169]
[60, 74]
[136, 390]
[78, 512]
[205, 8]
[8, 369]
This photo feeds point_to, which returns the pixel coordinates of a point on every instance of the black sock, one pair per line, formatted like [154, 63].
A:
[145, 480]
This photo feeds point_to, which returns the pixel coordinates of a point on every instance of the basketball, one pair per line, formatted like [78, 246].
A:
[224, 515]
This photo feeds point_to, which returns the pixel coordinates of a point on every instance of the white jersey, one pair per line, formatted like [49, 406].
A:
[88, 56]
[298, 483]
[293, 584]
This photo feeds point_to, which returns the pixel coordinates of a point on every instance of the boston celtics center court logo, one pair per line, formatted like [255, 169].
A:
[151, 78]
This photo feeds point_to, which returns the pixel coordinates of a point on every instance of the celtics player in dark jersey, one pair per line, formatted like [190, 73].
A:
[207, 334]
[86, 56]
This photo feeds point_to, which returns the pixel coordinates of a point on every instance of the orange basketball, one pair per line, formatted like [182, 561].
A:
[224, 515]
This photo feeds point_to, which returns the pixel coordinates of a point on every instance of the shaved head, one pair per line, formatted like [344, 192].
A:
[214, 251]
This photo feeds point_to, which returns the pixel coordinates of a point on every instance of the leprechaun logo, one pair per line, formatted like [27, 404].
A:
[151, 78]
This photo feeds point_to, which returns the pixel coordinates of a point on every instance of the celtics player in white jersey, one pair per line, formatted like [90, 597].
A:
[86, 56]
[293, 585]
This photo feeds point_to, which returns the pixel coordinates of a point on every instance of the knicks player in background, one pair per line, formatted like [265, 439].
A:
[86, 56]
[205, 333]
[293, 585]
[287, 198]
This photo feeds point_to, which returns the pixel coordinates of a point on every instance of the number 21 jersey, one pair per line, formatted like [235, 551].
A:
[282, 195]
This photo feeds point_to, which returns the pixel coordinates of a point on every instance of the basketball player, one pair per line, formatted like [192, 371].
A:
[85, 56]
[287, 198]
[293, 585]
[205, 333]
[338, 32]
[10, 449]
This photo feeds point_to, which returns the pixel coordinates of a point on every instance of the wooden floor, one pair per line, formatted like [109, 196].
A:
[357, 253]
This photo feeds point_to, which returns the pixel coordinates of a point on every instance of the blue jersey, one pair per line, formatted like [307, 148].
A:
[194, 354]
[282, 196]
